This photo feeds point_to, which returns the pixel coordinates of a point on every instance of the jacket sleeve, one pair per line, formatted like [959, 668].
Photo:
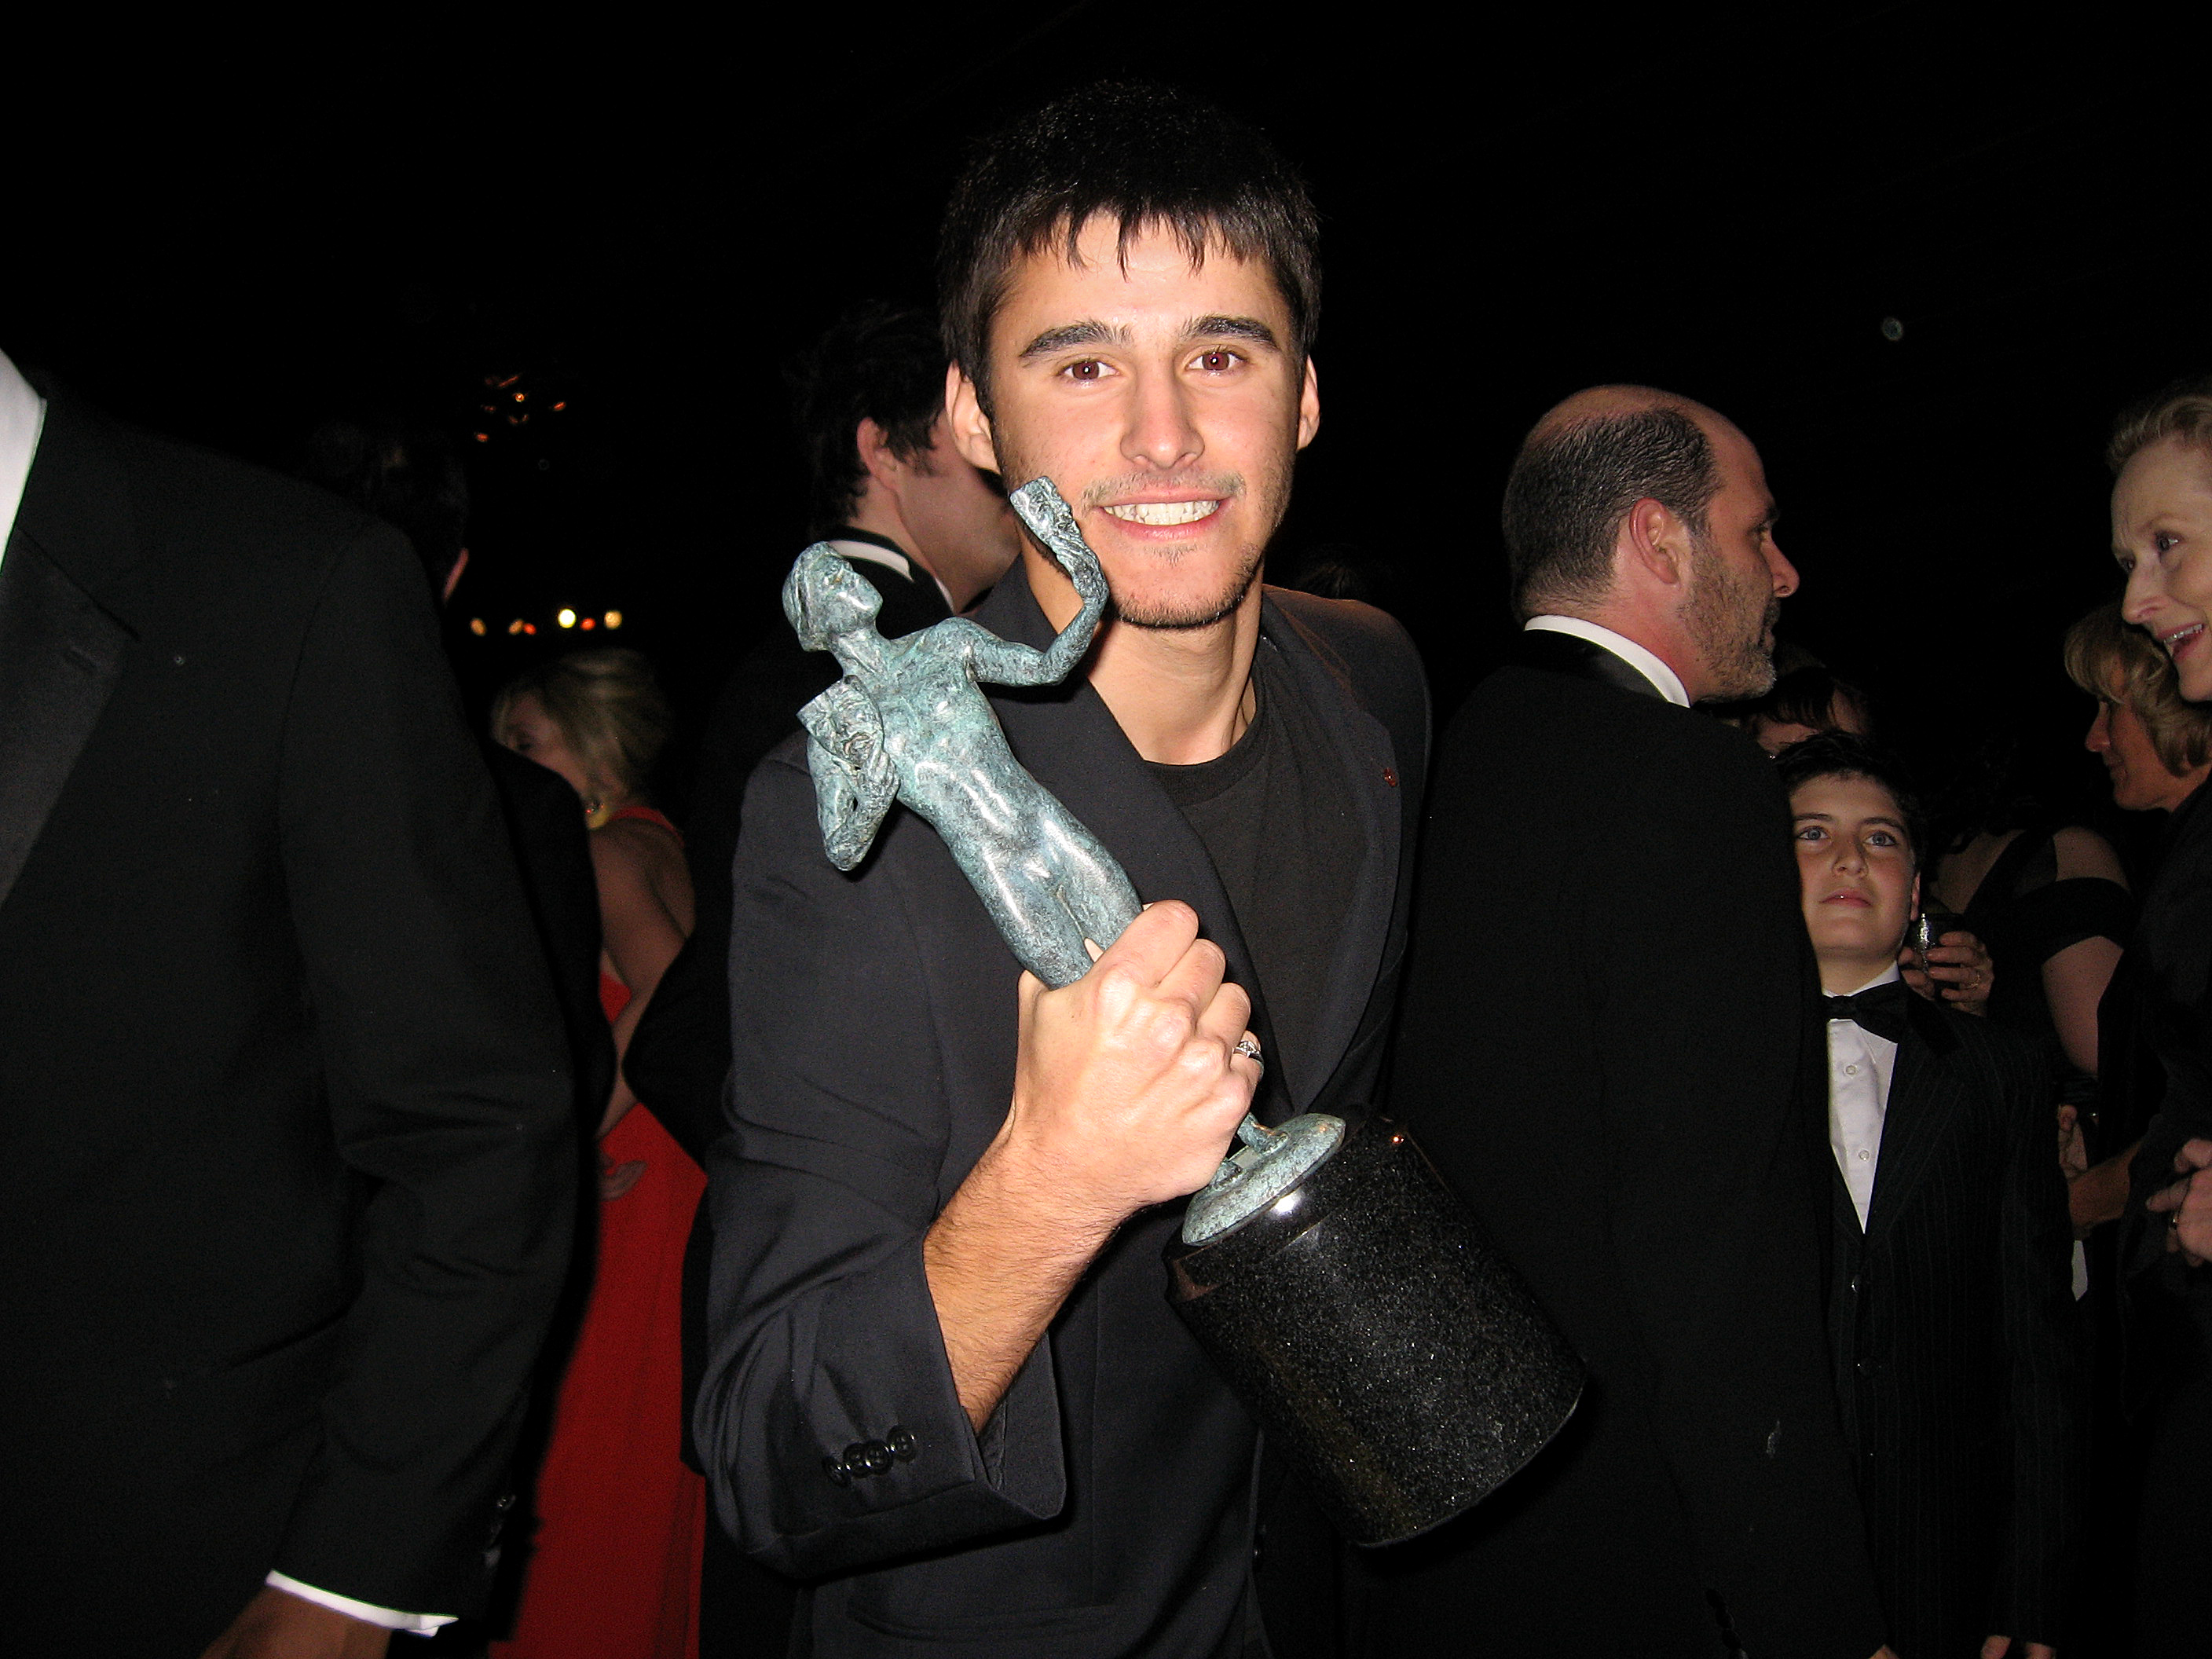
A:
[823, 1348]
[443, 1062]
[1698, 973]
[2045, 1374]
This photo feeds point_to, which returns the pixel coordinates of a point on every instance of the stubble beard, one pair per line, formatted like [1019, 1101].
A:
[1185, 613]
[1730, 620]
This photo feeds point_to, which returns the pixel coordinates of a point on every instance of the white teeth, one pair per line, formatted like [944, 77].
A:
[2172, 640]
[1157, 513]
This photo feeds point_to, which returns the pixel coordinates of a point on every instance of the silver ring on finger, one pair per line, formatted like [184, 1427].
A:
[1249, 1046]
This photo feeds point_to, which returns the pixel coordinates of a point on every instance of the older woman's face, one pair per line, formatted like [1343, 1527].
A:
[2162, 537]
[529, 731]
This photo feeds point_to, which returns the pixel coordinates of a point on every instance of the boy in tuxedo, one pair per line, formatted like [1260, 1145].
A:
[1952, 1328]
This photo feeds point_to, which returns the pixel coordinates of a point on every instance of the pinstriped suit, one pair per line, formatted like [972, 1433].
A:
[1957, 1345]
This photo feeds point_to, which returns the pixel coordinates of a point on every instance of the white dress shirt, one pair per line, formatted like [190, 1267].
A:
[1664, 680]
[23, 416]
[1860, 1066]
[890, 560]
[23, 413]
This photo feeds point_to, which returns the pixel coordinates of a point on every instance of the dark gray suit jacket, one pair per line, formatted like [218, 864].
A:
[1958, 1347]
[1106, 1507]
[286, 1152]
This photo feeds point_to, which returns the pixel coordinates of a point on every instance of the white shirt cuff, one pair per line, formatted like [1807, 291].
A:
[418, 1624]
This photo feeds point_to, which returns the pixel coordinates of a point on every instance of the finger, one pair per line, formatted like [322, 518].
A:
[1996, 1647]
[1196, 975]
[2194, 1155]
[1153, 944]
[1228, 1016]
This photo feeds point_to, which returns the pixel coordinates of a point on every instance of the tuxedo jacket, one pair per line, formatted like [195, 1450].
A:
[1607, 1049]
[287, 1162]
[1106, 1507]
[1958, 1346]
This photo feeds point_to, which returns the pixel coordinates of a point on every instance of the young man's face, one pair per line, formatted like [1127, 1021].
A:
[1165, 400]
[1855, 871]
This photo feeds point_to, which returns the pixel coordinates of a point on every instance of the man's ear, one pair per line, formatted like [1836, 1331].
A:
[1656, 542]
[969, 426]
[1308, 406]
[876, 459]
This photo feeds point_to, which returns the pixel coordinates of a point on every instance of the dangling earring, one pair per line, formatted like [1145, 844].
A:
[597, 813]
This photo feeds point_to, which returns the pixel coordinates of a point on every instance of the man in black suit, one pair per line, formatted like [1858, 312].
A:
[1952, 1324]
[288, 1154]
[887, 487]
[411, 479]
[1605, 1049]
[946, 1383]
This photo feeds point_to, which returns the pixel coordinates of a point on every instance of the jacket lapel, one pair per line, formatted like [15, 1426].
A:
[1072, 745]
[60, 650]
[1923, 1098]
[1364, 752]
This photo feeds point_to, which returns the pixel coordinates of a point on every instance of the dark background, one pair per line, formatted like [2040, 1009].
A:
[642, 221]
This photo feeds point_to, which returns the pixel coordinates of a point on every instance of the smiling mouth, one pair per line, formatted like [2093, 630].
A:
[1164, 512]
[2178, 640]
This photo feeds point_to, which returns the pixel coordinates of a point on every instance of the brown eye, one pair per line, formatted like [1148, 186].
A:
[1217, 360]
[1086, 370]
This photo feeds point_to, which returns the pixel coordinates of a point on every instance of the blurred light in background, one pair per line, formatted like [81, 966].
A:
[476, 625]
[614, 619]
[566, 618]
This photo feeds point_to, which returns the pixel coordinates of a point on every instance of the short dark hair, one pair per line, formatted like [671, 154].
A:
[1840, 755]
[1808, 695]
[1575, 481]
[877, 362]
[1144, 156]
[409, 477]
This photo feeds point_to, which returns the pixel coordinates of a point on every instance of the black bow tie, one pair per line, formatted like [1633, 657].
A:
[1879, 1009]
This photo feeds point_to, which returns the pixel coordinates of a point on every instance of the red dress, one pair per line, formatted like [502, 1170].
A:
[614, 1566]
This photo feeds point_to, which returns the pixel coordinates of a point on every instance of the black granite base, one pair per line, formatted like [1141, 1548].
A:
[1390, 1354]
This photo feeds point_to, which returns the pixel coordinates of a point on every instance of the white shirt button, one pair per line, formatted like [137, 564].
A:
[1864, 1155]
[1851, 1070]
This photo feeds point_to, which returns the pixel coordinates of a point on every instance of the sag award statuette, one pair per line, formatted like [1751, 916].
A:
[1387, 1349]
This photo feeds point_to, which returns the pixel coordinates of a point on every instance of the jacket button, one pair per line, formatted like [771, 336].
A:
[856, 1460]
[834, 1469]
[876, 1456]
[902, 1443]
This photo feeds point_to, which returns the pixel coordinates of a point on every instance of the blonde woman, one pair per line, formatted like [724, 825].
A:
[621, 1523]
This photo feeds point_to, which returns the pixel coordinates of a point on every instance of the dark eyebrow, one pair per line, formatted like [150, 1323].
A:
[1231, 328]
[1090, 331]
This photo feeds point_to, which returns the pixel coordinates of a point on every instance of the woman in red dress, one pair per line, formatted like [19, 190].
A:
[614, 1565]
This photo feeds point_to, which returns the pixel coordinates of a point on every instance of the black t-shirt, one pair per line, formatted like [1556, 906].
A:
[1276, 819]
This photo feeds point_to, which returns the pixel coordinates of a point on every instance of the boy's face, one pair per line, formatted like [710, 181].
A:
[1165, 399]
[1855, 869]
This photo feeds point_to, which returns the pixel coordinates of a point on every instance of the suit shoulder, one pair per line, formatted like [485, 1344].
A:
[1368, 651]
[183, 492]
[1358, 635]
[1571, 719]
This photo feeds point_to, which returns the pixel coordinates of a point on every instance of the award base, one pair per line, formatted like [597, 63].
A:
[1391, 1355]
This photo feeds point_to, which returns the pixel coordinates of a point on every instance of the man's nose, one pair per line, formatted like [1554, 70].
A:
[1784, 573]
[1161, 431]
